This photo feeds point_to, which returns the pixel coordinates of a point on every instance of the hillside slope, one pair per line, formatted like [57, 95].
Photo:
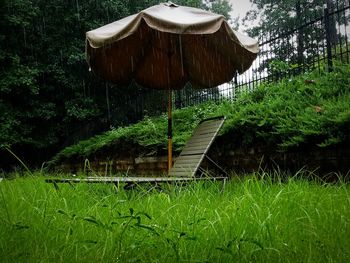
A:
[312, 109]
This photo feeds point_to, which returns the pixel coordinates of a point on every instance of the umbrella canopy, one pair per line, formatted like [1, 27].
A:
[166, 46]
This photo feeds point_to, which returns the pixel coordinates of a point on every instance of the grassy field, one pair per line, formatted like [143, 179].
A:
[249, 220]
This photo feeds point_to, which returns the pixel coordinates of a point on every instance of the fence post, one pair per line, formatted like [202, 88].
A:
[328, 39]
[178, 99]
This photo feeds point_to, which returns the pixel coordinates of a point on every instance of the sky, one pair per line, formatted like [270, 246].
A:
[240, 7]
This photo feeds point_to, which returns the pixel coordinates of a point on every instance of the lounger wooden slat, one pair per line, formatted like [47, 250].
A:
[199, 139]
[200, 148]
[191, 157]
[196, 143]
[190, 160]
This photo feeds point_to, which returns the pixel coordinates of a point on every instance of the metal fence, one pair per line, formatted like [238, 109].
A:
[313, 43]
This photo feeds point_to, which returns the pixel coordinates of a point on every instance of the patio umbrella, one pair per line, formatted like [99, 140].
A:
[166, 46]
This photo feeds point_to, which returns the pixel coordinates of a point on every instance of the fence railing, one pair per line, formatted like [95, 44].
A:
[313, 44]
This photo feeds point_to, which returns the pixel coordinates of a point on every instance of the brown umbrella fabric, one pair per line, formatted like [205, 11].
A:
[166, 46]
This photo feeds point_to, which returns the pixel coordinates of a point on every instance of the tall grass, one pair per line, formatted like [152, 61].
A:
[249, 220]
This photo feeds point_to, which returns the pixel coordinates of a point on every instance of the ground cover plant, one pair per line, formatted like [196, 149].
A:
[312, 109]
[258, 218]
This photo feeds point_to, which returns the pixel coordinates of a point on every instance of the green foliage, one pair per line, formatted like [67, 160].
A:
[312, 109]
[148, 135]
[48, 98]
[221, 7]
[43, 44]
[299, 111]
[250, 220]
[277, 67]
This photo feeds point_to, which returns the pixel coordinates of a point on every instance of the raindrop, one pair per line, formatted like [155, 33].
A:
[89, 69]
[182, 62]
[44, 24]
[78, 13]
[107, 11]
[107, 101]
[84, 90]
[132, 63]
[25, 37]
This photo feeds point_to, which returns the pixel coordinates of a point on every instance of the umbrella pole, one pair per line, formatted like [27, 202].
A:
[170, 131]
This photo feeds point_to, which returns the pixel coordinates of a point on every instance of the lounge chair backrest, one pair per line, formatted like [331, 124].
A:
[196, 148]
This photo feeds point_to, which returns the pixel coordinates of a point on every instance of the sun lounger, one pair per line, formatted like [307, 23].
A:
[187, 167]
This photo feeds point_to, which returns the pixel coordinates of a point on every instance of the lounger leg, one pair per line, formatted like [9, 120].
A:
[216, 165]
[116, 186]
[71, 185]
[224, 184]
[129, 186]
[56, 186]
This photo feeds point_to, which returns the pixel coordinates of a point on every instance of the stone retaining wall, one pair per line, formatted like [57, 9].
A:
[319, 160]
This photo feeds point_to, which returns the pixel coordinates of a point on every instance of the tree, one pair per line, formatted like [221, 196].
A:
[296, 43]
[48, 98]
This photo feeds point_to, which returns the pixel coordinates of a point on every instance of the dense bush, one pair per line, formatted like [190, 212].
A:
[311, 109]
